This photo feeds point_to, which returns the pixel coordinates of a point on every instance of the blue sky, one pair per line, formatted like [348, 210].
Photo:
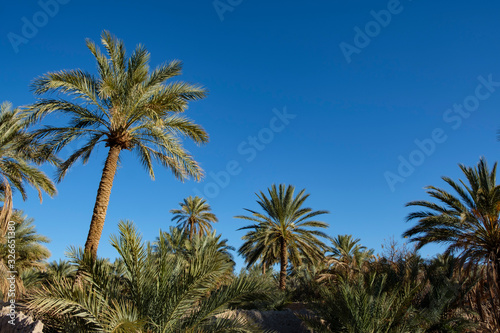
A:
[360, 81]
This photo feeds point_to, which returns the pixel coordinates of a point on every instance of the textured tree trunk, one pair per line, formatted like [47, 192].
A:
[496, 307]
[102, 200]
[283, 264]
[191, 232]
[6, 210]
[263, 268]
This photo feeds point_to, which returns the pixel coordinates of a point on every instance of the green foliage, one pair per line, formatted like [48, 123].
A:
[275, 299]
[347, 258]
[177, 243]
[256, 248]
[125, 105]
[398, 293]
[441, 305]
[57, 270]
[468, 222]
[29, 253]
[149, 289]
[365, 304]
[18, 151]
[194, 217]
[303, 283]
[282, 231]
[347, 249]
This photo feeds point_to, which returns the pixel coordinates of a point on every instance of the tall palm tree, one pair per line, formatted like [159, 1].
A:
[467, 221]
[126, 107]
[194, 217]
[283, 226]
[18, 149]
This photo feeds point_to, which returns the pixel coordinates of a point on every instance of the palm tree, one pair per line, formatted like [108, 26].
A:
[126, 107]
[347, 250]
[467, 222]
[194, 217]
[282, 227]
[17, 150]
[29, 252]
[347, 257]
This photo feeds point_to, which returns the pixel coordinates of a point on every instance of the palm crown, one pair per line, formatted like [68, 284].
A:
[126, 107]
[468, 223]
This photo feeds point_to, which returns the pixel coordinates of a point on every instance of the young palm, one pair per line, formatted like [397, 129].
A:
[467, 221]
[126, 107]
[30, 253]
[57, 270]
[347, 257]
[18, 149]
[282, 228]
[194, 217]
[348, 250]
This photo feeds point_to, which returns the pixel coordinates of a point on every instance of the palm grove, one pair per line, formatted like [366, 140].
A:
[184, 280]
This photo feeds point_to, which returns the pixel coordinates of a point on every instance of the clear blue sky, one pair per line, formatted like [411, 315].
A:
[360, 92]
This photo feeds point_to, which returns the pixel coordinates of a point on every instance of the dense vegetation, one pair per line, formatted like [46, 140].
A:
[184, 280]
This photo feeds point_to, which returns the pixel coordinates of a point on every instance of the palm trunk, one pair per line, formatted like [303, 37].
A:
[264, 268]
[191, 232]
[283, 264]
[102, 200]
[6, 210]
[496, 307]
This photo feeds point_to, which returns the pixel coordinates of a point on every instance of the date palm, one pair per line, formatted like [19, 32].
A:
[124, 107]
[467, 221]
[194, 217]
[347, 250]
[347, 258]
[18, 150]
[283, 228]
[21, 251]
